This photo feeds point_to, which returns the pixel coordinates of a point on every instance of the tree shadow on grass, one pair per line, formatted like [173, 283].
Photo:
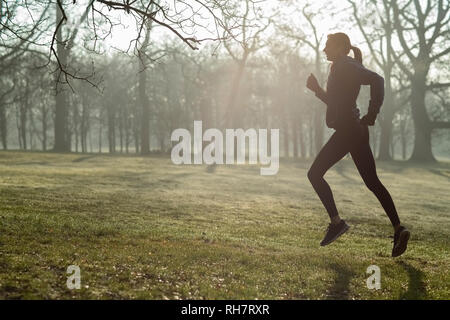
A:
[83, 158]
[416, 286]
[398, 166]
[340, 289]
[443, 173]
[31, 163]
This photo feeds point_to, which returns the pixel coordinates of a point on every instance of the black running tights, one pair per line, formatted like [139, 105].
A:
[353, 139]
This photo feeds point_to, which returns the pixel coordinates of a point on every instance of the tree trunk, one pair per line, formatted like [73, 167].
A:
[311, 138]
[391, 148]
[422, 127]
[145, 120]
[100, 137]
[111, 130]
[61, 113]
[136, 139]
[3, 126]
[385, 136]
[127, 135]
[294, 127]
[286, 140]
[19, 137]
[388, 108]
[83, 128]
[386, 119]
[44, 126]
[302, 142]
[31, 131]
[76, 124]
[90, 141]
[121, 132]
[23, 119]
[143, 97]
[318, 129]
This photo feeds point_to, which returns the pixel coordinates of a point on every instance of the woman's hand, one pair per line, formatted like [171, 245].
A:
[312, 84]
[368, 119]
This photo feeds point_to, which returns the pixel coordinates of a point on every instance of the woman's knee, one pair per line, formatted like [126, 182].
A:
[314, 175]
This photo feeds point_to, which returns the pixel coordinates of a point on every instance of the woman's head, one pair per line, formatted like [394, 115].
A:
[338, 44]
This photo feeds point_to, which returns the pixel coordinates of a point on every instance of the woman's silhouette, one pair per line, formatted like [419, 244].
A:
[352, 134]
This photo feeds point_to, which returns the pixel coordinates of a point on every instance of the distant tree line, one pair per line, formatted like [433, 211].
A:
[60, 91]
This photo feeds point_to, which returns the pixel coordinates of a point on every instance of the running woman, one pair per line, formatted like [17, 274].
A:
[351, 134]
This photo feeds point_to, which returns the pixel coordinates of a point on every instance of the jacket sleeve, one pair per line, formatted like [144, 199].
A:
[367, 77]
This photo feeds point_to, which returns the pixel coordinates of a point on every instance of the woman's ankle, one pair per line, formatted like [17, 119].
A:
[335, 220]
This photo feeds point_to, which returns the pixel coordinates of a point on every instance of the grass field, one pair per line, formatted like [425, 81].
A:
[141, 227]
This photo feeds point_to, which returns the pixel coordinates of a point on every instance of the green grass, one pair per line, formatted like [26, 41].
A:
[141, 227]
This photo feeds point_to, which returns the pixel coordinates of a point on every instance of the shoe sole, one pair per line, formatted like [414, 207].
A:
[402, 243]
[344, 230]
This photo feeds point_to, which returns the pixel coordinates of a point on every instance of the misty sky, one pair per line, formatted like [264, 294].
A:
[122, 35]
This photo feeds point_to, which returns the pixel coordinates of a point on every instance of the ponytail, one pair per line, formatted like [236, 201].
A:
[341, 39]
[357, 53]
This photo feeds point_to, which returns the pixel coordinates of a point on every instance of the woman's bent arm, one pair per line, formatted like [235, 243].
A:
[376, 82]
[322, 95]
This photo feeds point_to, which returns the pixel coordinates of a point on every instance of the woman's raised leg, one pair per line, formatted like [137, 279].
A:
[365, 163]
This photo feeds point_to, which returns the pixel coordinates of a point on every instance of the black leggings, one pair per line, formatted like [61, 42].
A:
[354, 139]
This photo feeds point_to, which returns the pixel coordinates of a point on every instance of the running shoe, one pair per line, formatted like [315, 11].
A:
[401, 238]
[334, 231]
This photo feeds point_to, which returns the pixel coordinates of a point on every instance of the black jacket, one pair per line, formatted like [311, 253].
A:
[344, 82]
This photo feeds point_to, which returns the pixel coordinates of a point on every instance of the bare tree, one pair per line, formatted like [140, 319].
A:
[17, 37]
[248, 15]
[143, 96]
[8, 87]
[180, 18]
[423, 30]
